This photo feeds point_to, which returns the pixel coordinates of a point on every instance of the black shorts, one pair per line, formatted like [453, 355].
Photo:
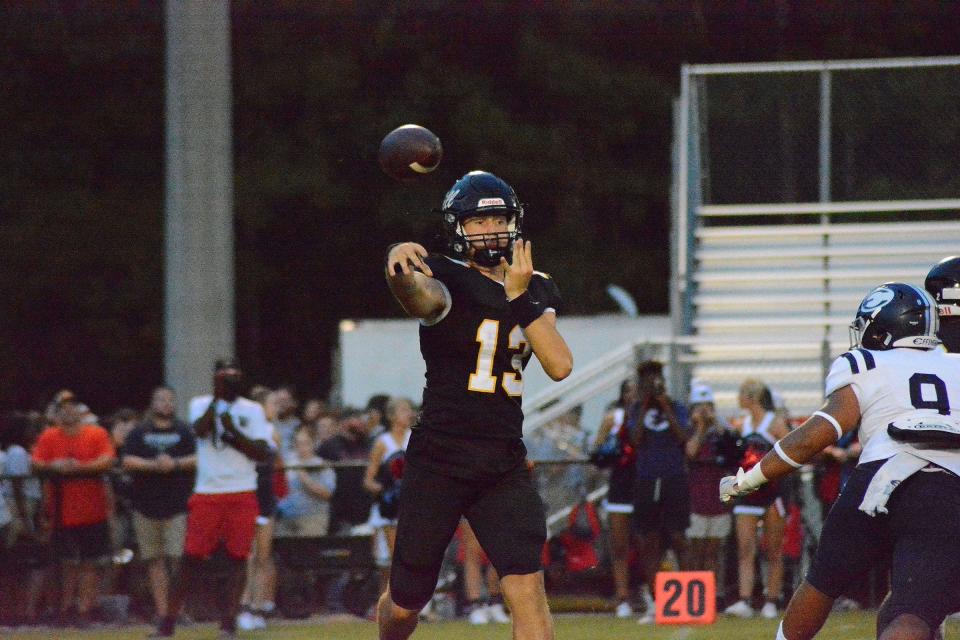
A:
[661, 504]
[506, 513]
[266, 498]
[919, 535]
[620, 493]
[89, 542]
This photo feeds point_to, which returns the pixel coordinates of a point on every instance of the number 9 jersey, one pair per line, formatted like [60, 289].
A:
[896, 385]
[475, 353]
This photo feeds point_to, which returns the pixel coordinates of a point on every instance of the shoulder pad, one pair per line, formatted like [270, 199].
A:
[852, 363]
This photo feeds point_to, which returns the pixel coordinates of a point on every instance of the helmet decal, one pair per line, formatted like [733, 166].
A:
[448, 200]
[878, 298]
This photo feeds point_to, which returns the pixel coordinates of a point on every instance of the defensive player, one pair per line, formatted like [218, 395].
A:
[903, 499]
[483, 311]
[943, 283]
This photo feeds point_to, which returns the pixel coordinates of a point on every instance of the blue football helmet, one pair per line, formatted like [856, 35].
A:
[481, 193]
[943, 283]
[896, 315]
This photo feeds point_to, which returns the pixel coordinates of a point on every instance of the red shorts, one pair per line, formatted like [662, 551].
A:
[221, 517]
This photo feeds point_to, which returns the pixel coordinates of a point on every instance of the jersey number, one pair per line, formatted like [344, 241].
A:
[940, 402]
[482, 379]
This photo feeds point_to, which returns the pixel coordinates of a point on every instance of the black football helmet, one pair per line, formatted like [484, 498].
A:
[480, 193]
[943, 283]
[896, 315]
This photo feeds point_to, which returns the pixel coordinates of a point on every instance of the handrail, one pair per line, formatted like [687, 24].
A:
[832, 229]
[730, 68]
[820, 208]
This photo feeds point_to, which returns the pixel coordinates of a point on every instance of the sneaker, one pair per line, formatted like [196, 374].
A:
[741, 609]
[479, 615]
[648, 604]
[623, 610]
[246, 621]
[497, 613]
[647, 618]
[769, 611]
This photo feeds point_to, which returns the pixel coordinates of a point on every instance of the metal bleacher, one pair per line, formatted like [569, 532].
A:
[774, 301]
[768, 264]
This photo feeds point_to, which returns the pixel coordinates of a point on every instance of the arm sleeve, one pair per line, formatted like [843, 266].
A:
[850, 369]
[551, 294]
[198, 406]
[260, 427]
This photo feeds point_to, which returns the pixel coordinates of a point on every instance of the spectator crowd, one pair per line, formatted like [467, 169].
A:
[88, 502]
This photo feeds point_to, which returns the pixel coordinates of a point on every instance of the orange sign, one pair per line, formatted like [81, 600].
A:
[686, 597]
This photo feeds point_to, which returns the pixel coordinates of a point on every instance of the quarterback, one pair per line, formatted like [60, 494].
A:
[902, 502]
[483, 312]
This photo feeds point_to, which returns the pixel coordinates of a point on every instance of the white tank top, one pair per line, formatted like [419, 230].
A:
[618, 415]
[762, 429]
[390, 445]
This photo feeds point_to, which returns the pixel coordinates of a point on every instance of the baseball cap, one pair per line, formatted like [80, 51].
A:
[64, 396]
[700, 392]
[226, 363]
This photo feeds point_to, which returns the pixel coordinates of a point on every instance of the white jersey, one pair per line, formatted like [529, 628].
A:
[390, 445]
[897, 384]
[619, 417]
[762, 429]
[220, 467]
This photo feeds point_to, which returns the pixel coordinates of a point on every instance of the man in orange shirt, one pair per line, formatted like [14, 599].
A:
[72, 455]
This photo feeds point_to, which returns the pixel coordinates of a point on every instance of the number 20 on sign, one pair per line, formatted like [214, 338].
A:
[685, 597]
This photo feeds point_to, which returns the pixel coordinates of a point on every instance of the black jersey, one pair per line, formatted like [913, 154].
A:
[475, 355]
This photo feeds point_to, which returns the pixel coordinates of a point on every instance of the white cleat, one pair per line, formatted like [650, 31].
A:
[246, 621]
[623, 610]
[741, 609]
[769, 611]
[479, 615]
[497, 614]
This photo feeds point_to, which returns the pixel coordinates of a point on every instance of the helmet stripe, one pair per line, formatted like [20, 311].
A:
[928, 328]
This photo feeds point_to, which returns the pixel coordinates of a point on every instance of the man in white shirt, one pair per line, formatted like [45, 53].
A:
[232, 434]
[902, 502]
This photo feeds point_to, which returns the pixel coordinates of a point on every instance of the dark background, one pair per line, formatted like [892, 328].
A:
[570, 102]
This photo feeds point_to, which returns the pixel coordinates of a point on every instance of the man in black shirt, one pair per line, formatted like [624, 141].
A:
[350, 504]
[483, 311]
[160, 456]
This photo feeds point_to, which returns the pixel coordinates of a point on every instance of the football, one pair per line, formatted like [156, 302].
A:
[409, 151]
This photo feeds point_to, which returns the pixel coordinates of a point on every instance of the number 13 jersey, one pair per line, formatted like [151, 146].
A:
[475, 353]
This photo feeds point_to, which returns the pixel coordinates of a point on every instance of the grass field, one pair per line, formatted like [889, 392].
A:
[857, 625]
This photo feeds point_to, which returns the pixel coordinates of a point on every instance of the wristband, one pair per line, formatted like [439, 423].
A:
[525, 309]
[750, 480]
